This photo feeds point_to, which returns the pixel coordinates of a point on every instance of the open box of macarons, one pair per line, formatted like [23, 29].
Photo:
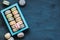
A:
[14, 19]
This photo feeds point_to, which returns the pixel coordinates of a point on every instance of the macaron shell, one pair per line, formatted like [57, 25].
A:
[6, 2]
[13, 26]
[15, 12]
[13, 9]
[17, 15]
[10, 19]
[14, 30]
[20, 22]
[22, 2]
[17, 26]
[7, 12]
[9, 15]
[11, 38]
[7, 35]
[17, 20]
[20, 35]
[22, 25]
[12, 22]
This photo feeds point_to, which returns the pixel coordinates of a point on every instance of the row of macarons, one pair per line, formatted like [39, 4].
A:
[13, 10]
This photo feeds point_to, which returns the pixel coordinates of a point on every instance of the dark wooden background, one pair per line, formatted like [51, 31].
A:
[42, 16]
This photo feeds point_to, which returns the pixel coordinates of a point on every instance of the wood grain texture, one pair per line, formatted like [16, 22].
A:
[43, 18]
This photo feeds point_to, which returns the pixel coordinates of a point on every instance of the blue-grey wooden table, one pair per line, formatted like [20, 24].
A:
[42, 16]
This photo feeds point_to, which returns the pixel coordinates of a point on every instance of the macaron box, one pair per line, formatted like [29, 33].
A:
[14, 19]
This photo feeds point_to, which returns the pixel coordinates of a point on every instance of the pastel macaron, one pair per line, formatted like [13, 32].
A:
[13, 26]
[15, 12]
[5, 2]
[14, 30]
[17, 26]
[12, 22]
[18, 19]
[22, 25]
[20, 35]
[7, 35]
[13, 9]
[22, 2]
[17, 15]
[9, 15]
[10, 19]
[7, 12]
[11, 38]
[20, 22]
